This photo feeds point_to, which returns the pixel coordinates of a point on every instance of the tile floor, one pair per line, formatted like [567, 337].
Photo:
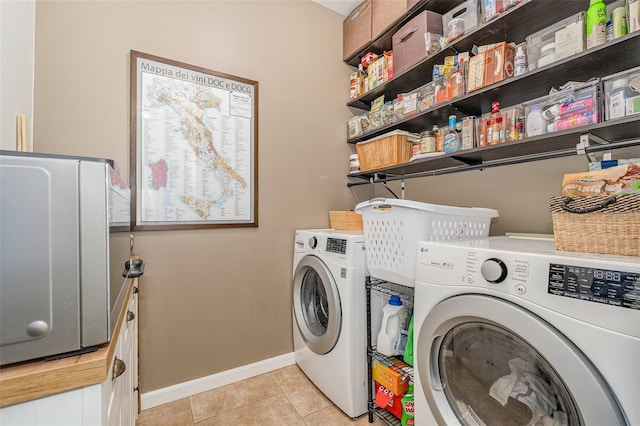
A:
[285, 397]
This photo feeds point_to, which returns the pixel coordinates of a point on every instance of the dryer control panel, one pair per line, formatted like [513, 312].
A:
[617, 288]
[337, 245]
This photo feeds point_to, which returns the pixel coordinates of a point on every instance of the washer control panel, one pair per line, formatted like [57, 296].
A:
[611, 287]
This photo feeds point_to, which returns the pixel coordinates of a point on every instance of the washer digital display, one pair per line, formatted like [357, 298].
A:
[617, 288]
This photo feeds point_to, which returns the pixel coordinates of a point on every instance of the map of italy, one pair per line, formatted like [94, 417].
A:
[196, 153]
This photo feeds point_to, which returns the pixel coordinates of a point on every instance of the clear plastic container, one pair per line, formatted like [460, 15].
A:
[622, 94]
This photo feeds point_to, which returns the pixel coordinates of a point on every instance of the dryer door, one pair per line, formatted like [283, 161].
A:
[316, 304]
[484, 360]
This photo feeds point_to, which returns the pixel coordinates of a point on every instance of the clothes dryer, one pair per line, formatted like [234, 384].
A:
[509, 331]
[329, 315]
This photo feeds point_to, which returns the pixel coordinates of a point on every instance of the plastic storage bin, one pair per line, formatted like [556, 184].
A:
[566, 36]
[622, 94]
[392, 229]
[566, 109]
[460, 19]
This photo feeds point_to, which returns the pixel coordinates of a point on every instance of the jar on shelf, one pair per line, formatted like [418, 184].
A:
[354, 163]
[547, 55]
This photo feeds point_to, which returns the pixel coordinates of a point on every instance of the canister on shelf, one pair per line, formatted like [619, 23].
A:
[547, 54]
[427, 142]
[619, 22]
[354, 163]
[455, 28]
[468, 125]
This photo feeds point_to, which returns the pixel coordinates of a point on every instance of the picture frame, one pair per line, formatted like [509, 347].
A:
[194, 146]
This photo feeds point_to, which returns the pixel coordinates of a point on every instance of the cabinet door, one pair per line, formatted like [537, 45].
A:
[122, 400]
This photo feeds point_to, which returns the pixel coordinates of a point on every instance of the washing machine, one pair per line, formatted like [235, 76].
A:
[329, 315]
[508, 331]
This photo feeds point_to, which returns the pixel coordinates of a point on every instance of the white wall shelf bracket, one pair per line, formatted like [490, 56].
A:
[585, 143]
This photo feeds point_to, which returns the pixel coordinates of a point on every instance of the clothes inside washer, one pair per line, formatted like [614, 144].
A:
[526, 385]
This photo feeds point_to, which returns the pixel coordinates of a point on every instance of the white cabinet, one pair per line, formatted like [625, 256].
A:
[112, 402]
[119, 391]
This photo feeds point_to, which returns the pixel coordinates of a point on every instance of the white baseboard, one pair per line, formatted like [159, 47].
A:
[192, 387]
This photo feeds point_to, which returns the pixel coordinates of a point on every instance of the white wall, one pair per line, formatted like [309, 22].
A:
[17, 34]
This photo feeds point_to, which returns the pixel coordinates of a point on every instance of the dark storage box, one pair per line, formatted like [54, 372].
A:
[356, 30]
[409, 46]
[384, 13]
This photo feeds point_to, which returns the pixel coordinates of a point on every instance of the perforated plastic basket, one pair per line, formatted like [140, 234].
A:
[392, 229]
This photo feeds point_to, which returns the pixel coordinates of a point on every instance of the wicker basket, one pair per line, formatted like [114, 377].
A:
[614, 229]
[387, 150]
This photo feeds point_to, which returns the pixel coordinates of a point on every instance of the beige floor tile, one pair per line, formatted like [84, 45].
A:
[273, 411]
[302, 393]
[176, 413]
[229, 397]
[333, 416]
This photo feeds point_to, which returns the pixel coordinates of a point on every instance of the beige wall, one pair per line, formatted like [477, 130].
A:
[211, 300]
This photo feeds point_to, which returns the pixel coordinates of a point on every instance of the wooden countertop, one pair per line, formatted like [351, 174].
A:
[31, 380]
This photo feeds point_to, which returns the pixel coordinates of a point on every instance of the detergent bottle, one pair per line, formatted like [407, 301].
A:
[394, 315]
[407, 407]
[408, 349]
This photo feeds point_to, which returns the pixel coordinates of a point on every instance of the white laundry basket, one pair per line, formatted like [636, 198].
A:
[392, 229]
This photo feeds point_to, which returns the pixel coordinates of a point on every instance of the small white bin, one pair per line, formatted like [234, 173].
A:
[392, 229]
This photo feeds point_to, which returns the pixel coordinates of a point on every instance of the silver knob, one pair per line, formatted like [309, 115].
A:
[494, 270]
[313, 242]
[37, 328]
[130, 316]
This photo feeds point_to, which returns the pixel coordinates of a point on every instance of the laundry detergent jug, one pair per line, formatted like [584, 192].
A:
[394, 316]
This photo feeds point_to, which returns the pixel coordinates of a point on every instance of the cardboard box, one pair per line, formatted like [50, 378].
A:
[392, 377]
[388, 401]
[385, 13]
[499, 63]
[409, 46]
[356, 30]
[345, 220]
[475, 72]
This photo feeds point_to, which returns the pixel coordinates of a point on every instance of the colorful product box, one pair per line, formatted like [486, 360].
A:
[499, 63]
[394, 377]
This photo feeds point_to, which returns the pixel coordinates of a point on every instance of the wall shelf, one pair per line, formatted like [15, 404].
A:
[625, 132]
[513, 25]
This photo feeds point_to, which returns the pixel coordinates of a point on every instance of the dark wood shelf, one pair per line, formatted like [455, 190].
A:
[550, 145]
[514, 25]
[383, 42]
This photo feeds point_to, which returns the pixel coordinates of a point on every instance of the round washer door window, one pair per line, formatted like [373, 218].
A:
[316, 303]
[482, 360]
[494, 377]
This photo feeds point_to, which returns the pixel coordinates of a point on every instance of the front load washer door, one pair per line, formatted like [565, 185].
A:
[316, 304]
[484, 360]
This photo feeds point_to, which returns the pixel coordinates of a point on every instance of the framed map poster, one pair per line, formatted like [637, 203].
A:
[194, 147]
